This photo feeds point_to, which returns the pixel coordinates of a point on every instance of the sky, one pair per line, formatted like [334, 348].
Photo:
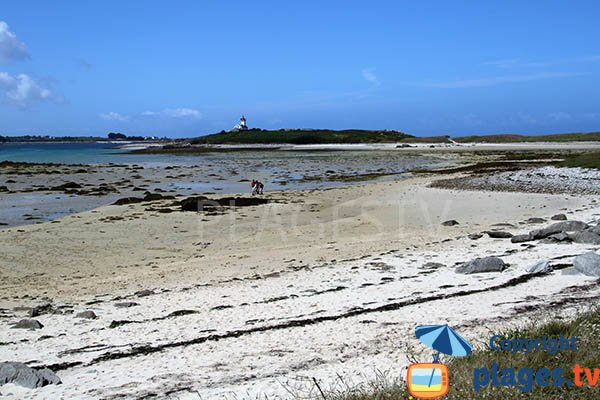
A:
[188, 68]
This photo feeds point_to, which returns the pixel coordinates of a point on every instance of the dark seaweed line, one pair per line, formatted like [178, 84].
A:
[149, 349]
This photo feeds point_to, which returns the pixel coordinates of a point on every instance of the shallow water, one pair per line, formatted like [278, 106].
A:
[219, 173]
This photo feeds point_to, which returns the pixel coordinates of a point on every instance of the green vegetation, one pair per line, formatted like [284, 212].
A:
[585, 160]
[562, 137]
[301, 136]
[586, 327]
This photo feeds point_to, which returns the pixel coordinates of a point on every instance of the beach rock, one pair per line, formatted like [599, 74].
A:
[67, 186]
[23, 375]
[86, 315]
[127, 200]
[536, 220]
[31, 324]
[3, 189]
[560, 237]
[475, 236]
[521, 238]
[585, 237]
[538, 267]
[153, 197]
[41, 309]
[485, 264]
[432, 265]
[595, 229]
[144, 293]
[451, 222]
[559, 217]
[499, 234]
[588, 264]
[565, 226]
[126, 304]
[202, 203]
[570, 271]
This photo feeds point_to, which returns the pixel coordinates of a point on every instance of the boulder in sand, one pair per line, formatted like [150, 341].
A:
[536, 220]
[541, 266]
[559, 217]
[522, 238]
[475, 236]
[499, 234]
[202, 203]
[23, 375]
[564, 226]
[588, 264]
[86, 315]
[450, 222]
[585, 237]
[31, 324]
[127, 200]
[484, 264]
[127, 304]
[41, 309]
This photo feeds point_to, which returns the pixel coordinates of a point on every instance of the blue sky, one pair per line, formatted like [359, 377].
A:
[186, 68]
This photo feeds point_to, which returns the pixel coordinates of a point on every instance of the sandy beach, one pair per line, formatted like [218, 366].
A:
[255, 302]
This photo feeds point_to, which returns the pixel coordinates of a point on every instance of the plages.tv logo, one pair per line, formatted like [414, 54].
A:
[431, 380]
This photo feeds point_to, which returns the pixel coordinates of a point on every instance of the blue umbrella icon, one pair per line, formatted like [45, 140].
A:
[444, 340]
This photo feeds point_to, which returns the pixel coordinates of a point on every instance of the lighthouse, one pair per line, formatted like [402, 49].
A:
[241, 126]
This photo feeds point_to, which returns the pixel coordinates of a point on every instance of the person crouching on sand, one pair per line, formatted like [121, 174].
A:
[257, 187]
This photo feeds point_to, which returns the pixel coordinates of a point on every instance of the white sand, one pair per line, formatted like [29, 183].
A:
[317, 254]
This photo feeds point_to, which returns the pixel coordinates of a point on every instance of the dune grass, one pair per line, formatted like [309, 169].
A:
[586, 327]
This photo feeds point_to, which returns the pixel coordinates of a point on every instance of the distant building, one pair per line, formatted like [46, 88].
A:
[241, 126]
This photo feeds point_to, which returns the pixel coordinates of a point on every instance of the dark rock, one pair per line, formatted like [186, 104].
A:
[588, 264]
[41, 309]
[31, 324]
[67, 186]
[432, 265]
[499, 234]
[144, 293]
[86, 315]
[202, 203]
[560, 237]
[3, 189]
[559, 217]
[153, 197]
[451, 222]
[127, 200]
[485, 264]
[521, 238]
[565, 226]
[22, 375]
[585, 237]
[126, 304]
[536, 220]
[475, 236]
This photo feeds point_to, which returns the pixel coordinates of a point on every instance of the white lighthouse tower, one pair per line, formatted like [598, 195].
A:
[241, 126]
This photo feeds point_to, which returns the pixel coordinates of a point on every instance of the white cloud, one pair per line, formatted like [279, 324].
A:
[11, 48]
[497, 80]
[113, 116]
[370, 76]
[180, 113]
[21, 90]
[174, 113]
